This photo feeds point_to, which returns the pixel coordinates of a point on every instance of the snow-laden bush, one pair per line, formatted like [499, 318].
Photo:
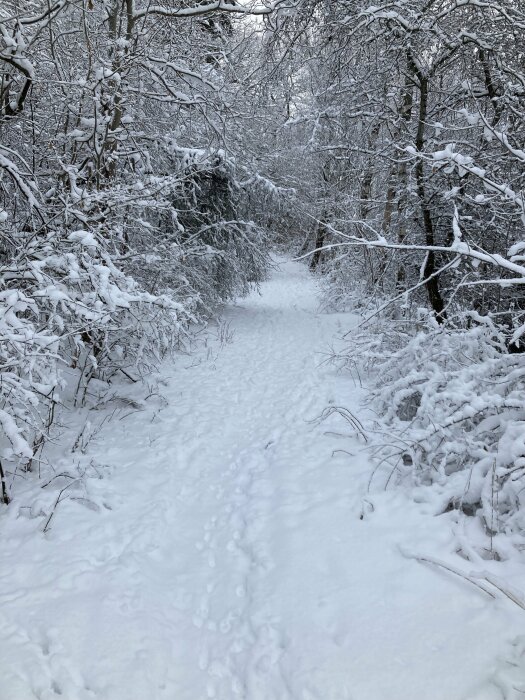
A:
[123, 217]
[28, 381]
[450, 413]
[344, 286]
[111, 287]
[206, 251]
[64, 304]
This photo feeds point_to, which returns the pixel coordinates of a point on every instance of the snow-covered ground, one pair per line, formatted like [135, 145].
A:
[237, 553]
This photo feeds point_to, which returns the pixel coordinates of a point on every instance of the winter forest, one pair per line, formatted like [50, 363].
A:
[262, 320]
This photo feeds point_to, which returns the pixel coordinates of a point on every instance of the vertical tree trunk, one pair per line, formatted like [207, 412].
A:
[319, 243]
[4, 496]
[407, 105]
[429, 268]
[365, 195]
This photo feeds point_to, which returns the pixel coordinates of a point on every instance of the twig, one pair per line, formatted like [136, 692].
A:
[58, 500]
[5, 495]
[447, 567]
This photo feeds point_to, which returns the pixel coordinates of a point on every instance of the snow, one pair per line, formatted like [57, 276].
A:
[232, 549]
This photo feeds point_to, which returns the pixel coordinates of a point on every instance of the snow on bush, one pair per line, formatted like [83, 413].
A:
[109, 284]
[206, 250]
[450, 414]
[123, 217]
[65, 304]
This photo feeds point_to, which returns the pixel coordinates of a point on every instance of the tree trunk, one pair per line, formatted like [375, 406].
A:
[319, 243]
[429, 269]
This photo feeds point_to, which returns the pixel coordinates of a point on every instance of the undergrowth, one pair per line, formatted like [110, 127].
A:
[448, 406]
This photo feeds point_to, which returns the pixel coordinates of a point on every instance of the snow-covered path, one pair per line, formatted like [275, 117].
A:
[235, 557]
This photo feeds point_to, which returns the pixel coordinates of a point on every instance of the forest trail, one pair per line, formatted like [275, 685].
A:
[237, 557]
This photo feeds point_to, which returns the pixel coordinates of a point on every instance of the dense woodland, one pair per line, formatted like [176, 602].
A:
[151, 155]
